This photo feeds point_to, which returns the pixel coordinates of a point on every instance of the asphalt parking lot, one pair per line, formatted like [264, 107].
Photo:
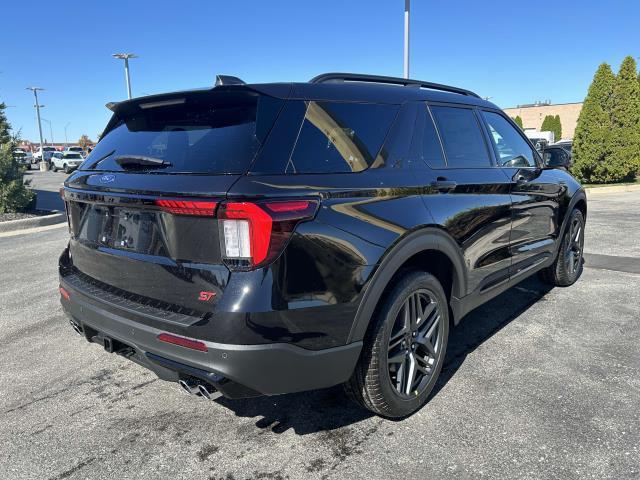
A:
[47, 186]
[539, 383]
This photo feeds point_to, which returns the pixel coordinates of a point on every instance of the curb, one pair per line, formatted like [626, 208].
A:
[612, 189]
[25, 223]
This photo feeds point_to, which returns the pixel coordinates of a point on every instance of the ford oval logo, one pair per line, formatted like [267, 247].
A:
[107, 178]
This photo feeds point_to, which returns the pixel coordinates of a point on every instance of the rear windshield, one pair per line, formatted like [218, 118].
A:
[215, 132]
[73, 156]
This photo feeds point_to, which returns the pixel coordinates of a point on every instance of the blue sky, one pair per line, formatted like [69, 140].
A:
[499, 49]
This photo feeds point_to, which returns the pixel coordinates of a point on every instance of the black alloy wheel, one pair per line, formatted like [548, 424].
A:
[404, 348]
[574, 245]
[567, 267]
[415, 343]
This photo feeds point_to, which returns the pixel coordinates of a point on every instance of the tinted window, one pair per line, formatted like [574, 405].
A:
[512, 148]
[461, 137]
[340, 137]
[426, 144]
[217, 132]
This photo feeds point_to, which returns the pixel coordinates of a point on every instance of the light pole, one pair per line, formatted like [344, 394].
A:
[126, 57]
[65, 134]
[50, 129]
[407, 7]
[43, 163]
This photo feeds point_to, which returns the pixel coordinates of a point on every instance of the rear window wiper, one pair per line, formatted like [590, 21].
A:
[95, 164]
[140, 161]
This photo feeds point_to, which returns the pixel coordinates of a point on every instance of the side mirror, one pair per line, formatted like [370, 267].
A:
[554, 158]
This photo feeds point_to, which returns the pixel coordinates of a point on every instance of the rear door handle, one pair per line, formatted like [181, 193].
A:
[444, 185]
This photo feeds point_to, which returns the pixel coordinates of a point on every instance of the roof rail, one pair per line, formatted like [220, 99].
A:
[407, 82]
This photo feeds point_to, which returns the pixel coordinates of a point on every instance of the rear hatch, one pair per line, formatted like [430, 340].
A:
[142, 205]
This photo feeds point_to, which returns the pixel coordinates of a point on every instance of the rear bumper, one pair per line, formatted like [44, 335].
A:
[268, 369]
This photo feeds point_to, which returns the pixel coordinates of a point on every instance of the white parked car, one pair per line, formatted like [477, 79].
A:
[48, 152]
[66, 161]
[75, 149]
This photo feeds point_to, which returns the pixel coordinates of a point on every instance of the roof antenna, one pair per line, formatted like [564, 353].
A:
[228, 80]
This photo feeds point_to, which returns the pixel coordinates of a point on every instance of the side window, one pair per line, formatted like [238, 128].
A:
[426, 144]
[511, 147]
[461, 137]
[340, 137]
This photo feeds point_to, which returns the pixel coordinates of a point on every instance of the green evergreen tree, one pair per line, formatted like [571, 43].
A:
[5, 128]
[557, 124]
[592, 139]
[551, 123]
[518, 121]
[625, 117]
[14, 195]
[547, 124]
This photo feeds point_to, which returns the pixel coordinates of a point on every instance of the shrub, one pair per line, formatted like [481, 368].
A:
[14, 195]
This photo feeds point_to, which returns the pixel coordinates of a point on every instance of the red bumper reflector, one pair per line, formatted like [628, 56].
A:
[188, 207]
[295, 206]
[183, 342]
[65, 294]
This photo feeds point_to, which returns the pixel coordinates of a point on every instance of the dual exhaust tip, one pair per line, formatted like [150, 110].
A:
[193, 387]
[76, 326]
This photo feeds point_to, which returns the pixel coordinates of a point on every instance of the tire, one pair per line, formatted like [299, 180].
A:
[567, 267]
[65, 169]
[53, 167]
[380, 381]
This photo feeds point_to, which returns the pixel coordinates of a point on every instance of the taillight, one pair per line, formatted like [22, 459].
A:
[253, 234]
[188, 207]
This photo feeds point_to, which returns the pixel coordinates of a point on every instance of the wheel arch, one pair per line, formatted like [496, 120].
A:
[579, 201]
[430, 249]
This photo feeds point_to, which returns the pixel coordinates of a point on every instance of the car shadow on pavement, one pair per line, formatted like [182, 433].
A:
[306, 412]
[487, 320]
[330, 409]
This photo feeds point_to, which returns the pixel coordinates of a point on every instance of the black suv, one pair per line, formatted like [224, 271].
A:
[273, 238]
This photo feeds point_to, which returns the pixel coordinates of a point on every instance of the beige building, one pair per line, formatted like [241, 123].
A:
[533, 115]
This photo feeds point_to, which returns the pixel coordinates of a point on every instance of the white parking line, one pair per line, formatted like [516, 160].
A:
[32, 230]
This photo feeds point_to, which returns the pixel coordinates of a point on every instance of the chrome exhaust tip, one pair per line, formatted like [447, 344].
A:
[190, 387]
[76, 327]
[207, 391]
